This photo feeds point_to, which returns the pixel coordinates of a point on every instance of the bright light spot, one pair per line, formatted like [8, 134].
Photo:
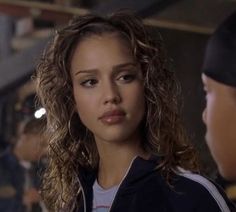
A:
[39, 113]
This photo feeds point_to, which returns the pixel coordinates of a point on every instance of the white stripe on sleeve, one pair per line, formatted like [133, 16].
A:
[209, 186]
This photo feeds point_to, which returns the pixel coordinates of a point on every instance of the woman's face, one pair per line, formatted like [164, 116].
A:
[220, 119]
[108, 87]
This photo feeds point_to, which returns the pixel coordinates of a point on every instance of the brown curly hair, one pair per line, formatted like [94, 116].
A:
[163, 131]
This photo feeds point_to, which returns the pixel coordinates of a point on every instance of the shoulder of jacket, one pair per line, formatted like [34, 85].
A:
[202, 188]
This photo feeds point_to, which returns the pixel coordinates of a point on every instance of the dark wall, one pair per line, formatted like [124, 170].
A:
[187, 51]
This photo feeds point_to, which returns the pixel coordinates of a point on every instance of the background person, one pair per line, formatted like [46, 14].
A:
[20, 167]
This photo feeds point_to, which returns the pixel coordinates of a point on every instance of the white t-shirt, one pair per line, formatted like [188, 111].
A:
[103, 198]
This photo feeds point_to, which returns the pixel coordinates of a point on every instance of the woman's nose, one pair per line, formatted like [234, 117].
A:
[111, 93]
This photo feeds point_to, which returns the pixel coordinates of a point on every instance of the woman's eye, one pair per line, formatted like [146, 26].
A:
[127, 78]
[89, 83]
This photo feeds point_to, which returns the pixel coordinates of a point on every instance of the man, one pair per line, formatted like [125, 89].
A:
[11, 178]
[20, 168]
[219, 79]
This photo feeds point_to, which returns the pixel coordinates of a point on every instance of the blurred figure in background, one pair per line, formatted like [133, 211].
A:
[21, 166]
[11, 178]
[31, 149]
[219, 79]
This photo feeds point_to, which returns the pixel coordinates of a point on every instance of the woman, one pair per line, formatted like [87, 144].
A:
[116, 140]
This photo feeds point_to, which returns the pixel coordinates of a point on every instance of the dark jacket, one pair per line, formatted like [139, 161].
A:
[145, 190]
[11, 175]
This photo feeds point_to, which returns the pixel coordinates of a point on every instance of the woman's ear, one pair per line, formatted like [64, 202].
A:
[75, 109]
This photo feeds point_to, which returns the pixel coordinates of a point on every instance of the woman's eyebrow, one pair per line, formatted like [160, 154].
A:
[115, 68]
[88, 71]
[124, 65]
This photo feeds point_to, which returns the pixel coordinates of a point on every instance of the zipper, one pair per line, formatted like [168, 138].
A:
[83, 195]
[122, 182]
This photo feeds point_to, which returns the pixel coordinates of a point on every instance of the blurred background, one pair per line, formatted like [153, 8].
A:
[26, 27]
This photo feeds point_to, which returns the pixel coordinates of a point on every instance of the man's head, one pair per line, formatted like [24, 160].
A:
[32, 143]
[219, 79]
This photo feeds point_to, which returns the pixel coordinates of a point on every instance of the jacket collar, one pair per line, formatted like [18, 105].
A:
[139, 168]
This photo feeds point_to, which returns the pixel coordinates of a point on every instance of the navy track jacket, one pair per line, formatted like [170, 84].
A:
[145, 190]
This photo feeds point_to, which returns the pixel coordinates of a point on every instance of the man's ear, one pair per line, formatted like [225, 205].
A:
[233, 92]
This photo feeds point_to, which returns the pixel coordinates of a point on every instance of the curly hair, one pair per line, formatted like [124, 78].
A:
[163, 132]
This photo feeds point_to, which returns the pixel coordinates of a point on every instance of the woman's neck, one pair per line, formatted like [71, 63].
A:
[115, 160]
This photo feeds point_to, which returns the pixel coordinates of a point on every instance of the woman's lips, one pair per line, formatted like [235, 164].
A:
[112, 117]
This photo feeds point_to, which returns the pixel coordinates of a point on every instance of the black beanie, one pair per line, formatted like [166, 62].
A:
[220, 56]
